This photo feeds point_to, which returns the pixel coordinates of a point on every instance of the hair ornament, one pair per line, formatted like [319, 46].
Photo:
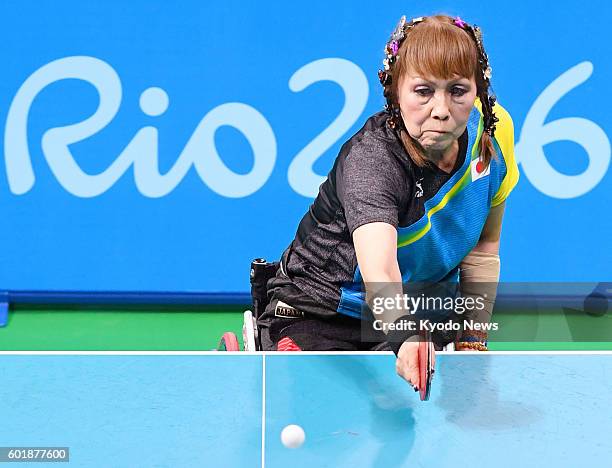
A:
[393, 45]
[398, 32]
[459, 23]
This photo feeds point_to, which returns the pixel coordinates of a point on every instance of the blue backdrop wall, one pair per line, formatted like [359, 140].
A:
[160, 146]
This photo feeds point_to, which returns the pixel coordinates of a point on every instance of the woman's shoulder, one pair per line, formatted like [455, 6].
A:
[504, 130]
[504, 136]
[505, 125]
[374, 140]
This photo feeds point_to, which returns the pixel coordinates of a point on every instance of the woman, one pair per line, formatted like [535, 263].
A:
[417, 195]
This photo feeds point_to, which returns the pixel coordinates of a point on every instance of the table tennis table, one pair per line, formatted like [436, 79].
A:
[187, 409]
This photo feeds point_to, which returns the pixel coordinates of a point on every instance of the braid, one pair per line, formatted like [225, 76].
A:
[486, 148]
[484, 81]
[385, 76]
[487, 101]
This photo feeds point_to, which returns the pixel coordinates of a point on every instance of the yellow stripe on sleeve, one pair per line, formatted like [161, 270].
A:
[504, 135]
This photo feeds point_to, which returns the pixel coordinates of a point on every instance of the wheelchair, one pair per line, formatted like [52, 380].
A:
[261, 272]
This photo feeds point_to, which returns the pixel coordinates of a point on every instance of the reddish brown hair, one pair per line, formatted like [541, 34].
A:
[437, 47]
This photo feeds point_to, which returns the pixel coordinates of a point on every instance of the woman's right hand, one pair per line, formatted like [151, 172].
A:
[407, 363]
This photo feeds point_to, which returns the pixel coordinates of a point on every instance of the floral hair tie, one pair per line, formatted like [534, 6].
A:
[459, 23]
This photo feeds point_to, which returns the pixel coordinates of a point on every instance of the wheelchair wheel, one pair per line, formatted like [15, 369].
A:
[229, 342]
[249, 332]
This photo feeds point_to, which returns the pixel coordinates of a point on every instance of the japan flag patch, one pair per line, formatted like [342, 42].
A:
[479, 170]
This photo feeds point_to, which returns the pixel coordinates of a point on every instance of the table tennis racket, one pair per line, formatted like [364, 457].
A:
[426, 365]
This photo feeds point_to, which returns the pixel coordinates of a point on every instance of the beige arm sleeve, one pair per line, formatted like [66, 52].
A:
[478, 276]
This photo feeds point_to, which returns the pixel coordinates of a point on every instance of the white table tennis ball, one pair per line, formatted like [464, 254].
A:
[293, 436]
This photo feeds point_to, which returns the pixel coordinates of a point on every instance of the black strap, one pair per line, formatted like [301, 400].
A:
[261, 272]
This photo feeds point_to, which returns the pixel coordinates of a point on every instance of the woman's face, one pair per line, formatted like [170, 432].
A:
[436, 111]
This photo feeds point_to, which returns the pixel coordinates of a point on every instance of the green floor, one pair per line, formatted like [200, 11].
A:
[117, 329]
[551, 329]
[39, 329]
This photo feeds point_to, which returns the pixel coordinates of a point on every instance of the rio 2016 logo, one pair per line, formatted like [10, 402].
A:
[535, 134]
[200, 151]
